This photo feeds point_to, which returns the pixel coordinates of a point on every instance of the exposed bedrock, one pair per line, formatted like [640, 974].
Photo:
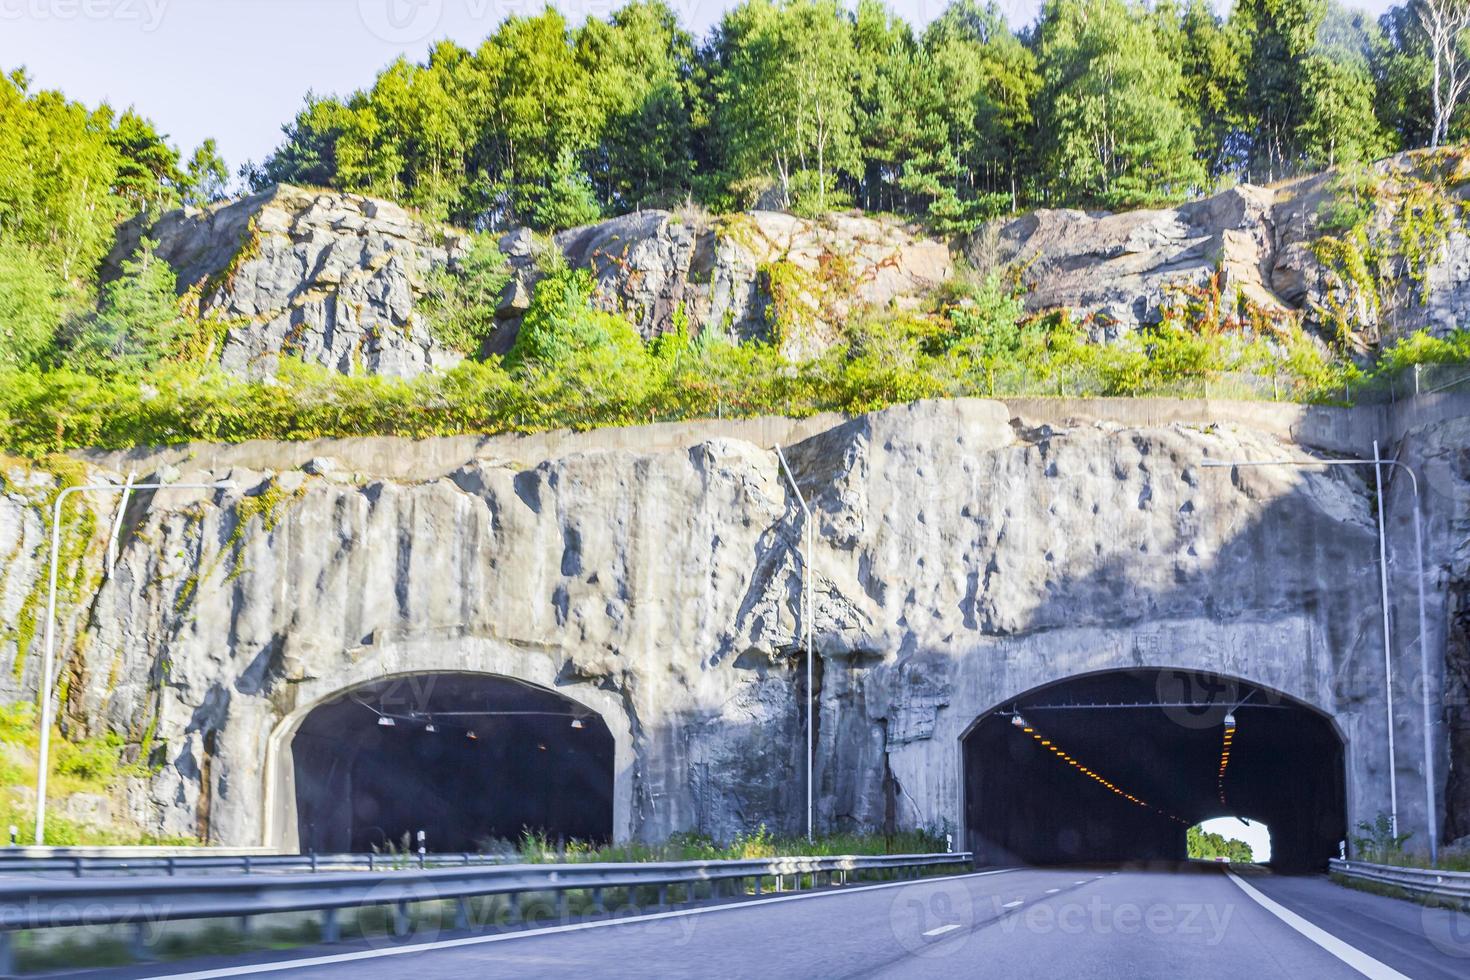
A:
[966, 552]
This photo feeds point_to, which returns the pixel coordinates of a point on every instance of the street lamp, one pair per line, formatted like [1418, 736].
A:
[1378, 462]
[48, 667]
[806, 574]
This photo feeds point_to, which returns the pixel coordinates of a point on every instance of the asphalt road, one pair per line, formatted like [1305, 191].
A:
[1191, 921]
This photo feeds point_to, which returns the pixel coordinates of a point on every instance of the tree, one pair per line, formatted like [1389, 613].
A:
[783, 92]
[1444, 22]
[1279, 36]
[639, 65]
[1401, 62]
[207, 175]
[138, 323]
[32, 302]
[1116, 131]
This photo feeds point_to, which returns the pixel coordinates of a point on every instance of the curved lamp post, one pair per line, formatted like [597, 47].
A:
[1378, 462]
[43, 765]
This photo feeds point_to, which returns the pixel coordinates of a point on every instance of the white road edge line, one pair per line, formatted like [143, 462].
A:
[279, 966]
[1351, 955]
[941, 930]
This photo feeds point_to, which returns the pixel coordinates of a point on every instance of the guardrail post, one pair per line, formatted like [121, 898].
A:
[370, 861]
[7, 954]
[400, 918]
[76, 867]
[313, 862]
[462, 914]
[757, 885]
[331, 928]
[562, 910]
[247, 864]
[139, 945]
[513, 915]
[597, 901]
[247, 925]
[663, 896]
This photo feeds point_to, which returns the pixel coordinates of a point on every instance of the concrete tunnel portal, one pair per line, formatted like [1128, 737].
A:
[1117, 765]
[463, 757]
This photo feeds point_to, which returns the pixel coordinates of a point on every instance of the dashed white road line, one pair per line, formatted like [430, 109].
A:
[943, 929]
[1351, 955]
[280, 966]
[1052, 891]
[1011, 905]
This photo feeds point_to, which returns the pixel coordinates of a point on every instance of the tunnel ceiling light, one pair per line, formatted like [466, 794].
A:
[431, 727]
[577, 723]
[1227, 742]
[1107, 784]
[1017, 720]
[471, 735]
[386, 722]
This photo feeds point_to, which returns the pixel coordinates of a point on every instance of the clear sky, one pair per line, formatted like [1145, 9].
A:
[237, 69]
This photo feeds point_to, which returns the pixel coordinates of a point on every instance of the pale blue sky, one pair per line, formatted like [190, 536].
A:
[237, 69]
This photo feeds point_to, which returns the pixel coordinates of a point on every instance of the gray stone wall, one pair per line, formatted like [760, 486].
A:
[967, 551]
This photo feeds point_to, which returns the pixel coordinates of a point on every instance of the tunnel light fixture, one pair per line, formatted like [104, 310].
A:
[578, 723]
[431, 727]
[1019, 722]
[386, 722]
[1107, 784]
[1227, 742]
[471, 735]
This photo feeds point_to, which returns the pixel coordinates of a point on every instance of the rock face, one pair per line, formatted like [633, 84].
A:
[967, 552]
[1119, 268]
[330, 278]
[1122, 270]
[718, 274]
[336, 279]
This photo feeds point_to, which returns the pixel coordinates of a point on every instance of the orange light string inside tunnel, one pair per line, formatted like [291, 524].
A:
[1050, 746]
[1226, 743]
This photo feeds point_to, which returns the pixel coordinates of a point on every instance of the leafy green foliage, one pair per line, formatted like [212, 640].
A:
[138, 323]
[460, 303]
[1117, 130]
[1203, 845]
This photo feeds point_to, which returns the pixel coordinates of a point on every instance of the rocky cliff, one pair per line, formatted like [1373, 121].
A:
[966, 552]
[338, 279]
[333, 279]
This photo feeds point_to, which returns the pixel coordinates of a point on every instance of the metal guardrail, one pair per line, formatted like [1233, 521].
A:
[142, 901]
[83, 864]
[1444, 886]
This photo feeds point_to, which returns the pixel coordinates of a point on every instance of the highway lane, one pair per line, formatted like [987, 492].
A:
[1186, 921]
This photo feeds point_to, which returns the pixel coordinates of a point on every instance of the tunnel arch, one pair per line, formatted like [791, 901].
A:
[1121, 778]
[473, 659]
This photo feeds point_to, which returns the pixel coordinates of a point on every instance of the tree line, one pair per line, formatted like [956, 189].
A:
[810, 105]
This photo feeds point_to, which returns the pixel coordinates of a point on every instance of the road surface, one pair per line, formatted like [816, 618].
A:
[1194, 921]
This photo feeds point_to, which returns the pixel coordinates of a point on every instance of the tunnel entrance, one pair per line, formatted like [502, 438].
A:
[1116, 766]
[462, 757]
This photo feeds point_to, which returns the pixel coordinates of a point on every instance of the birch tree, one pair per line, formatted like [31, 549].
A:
[1444, 21]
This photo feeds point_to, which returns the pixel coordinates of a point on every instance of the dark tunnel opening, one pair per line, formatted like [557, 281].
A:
[462, 757]
[1116, 766]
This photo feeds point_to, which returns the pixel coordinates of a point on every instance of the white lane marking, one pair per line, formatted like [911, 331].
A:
[369, 954]
[942, 929]
[1011, 905]
[1351, 955]
[1082, 882]
[1052, 891]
